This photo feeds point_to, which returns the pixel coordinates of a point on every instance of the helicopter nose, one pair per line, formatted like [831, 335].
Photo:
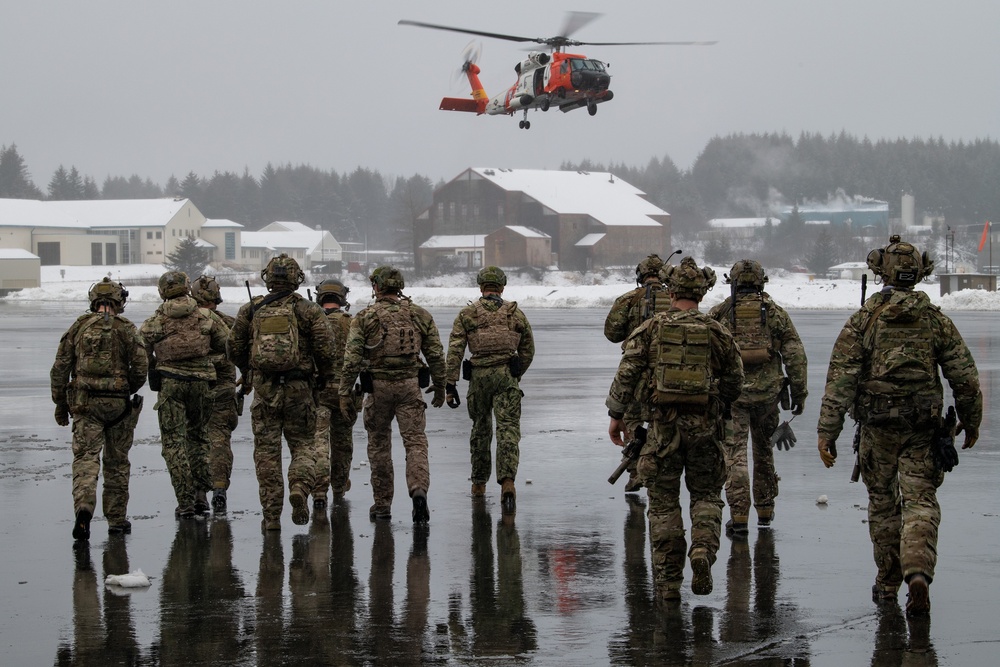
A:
[585, 80]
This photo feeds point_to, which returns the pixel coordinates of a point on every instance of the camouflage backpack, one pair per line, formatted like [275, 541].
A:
[750, 329]
[682, 373]
[899, 339]
[275, 336]
[182, 338]
[494, 332]
[99, 355]
[400, 340]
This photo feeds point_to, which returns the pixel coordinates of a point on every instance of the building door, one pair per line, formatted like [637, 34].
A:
[111, 253]
[48, 252]
[95, 254]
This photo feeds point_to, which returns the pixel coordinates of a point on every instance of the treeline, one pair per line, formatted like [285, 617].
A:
[740, 175]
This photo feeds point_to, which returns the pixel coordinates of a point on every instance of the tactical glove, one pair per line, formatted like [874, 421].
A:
[798, 404]
[783, 437]
[971, 434]
[827, 452]
[62, 414]
[944, 455]
[451, 393]
[348, 410]
[439, 393]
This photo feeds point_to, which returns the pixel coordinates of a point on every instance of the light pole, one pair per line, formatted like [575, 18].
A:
[322, 246]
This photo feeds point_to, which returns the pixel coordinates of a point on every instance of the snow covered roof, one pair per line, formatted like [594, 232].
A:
[16, 253]
[600, 195]
[455, 241]
[202, 243]
[849, 265]
[221, 223]
[308, 240]
[286, 226]
[590, 240]
[736, 223]
[528, 232]
[89, 214]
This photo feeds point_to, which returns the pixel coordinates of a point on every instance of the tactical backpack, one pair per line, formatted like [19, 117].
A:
[494, 332]
[181, 338]
[750, 329]
[275, 335]
[99, 357]
[401, 340]
[682, 371]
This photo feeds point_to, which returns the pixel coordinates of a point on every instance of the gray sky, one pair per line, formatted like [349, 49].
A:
[160, 88]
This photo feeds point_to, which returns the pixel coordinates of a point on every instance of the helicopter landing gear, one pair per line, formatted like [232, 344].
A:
[525, 124]
[591, 106]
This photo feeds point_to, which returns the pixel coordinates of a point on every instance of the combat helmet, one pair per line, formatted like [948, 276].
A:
[107, 292]
[331, 290]
[491, 276]
[900, 264]
[206, 290]
[747, 275]
[387, 279]
[651, 266]
[282, 271]
[173, 284]
[687, 280]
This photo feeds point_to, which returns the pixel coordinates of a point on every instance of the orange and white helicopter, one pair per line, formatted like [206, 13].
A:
[566, 80]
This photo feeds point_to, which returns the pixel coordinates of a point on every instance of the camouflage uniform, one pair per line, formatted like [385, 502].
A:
[498, 335]
[334, 434]
[756, 411]
[394, 363]
[898, 420]
[186, 348]
[684, 437]
[224, 419]
[92, 383]
[628, 312]
[284, 402]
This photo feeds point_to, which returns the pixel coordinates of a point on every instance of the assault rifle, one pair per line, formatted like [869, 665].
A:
[630, 452]
[856, 471]
[943, 447]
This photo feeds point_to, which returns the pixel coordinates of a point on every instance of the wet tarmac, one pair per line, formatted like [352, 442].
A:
[563, 581]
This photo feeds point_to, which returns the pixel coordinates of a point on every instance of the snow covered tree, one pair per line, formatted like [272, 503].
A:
[823, 254]
[189, 258]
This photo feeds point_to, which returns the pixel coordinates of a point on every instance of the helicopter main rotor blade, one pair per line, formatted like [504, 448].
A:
[481, 33]
[643, 43]
[577, 20]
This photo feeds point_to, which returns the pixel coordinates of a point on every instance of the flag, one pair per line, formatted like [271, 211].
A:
[986, 232]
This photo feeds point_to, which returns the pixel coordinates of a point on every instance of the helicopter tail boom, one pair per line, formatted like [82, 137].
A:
[479, 97]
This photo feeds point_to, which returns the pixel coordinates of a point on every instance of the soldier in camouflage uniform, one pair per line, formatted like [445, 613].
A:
[389, 336]
[186, 348]
[283, 326]
[884, 371]
[629, 311]
[334, 436]
[695, 374]
[99, 363]
[499, 337]
[767, 340]
[224, 419]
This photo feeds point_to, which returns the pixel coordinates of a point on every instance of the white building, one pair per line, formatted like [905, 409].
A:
[309, 247]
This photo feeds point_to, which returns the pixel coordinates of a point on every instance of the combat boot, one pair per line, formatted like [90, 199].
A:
[882, 594]
[379, 512]
[701, 567]
[338, 492]
[300, 508]
[633, 485]
[200, 502]
[81, 527]
[270, 524]
[186, 512]
[667, 596]
[508, 495]
[319, 502]
[120, 528]
[764, 517]
[737, 526]
[478, 489]
[420, 512]
[219, 500]
[918, 600]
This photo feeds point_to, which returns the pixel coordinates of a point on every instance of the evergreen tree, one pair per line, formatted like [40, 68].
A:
[717, 251]
[59, 187]
[15, 180]
[192, 188]
[823, 254]
[189, 258]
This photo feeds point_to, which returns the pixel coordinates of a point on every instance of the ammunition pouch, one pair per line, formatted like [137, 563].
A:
[905, 411]
[424, 377]
[155, 380]
[467, 369]
[514, 365]
[755, 357]
[366, 382]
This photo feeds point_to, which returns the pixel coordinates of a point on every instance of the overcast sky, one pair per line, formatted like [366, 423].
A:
[162, 88]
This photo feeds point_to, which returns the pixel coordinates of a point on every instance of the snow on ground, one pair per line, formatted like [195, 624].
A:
[548, 289]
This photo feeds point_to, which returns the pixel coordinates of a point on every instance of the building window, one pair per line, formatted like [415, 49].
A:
[149, 235]
[159, 235]
[230, 245]
[173, 232]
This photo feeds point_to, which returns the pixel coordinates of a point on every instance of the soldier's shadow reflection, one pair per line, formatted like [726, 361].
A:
[201, 598]
[101, 637]
[498, 623]
[902, 641]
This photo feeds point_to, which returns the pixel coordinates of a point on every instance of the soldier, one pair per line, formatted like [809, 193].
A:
[884, 371]
[224, 419]
[767, 340]
[499, 337]
[696, 374]
[390, 335]
[186, 348]
[99, 363]
[334, 436]
[629, 311]
[286, 344]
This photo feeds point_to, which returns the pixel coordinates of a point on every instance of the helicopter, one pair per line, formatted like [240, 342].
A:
[567, 81]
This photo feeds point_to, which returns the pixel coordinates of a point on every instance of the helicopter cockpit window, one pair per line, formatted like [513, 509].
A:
[580, 64]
